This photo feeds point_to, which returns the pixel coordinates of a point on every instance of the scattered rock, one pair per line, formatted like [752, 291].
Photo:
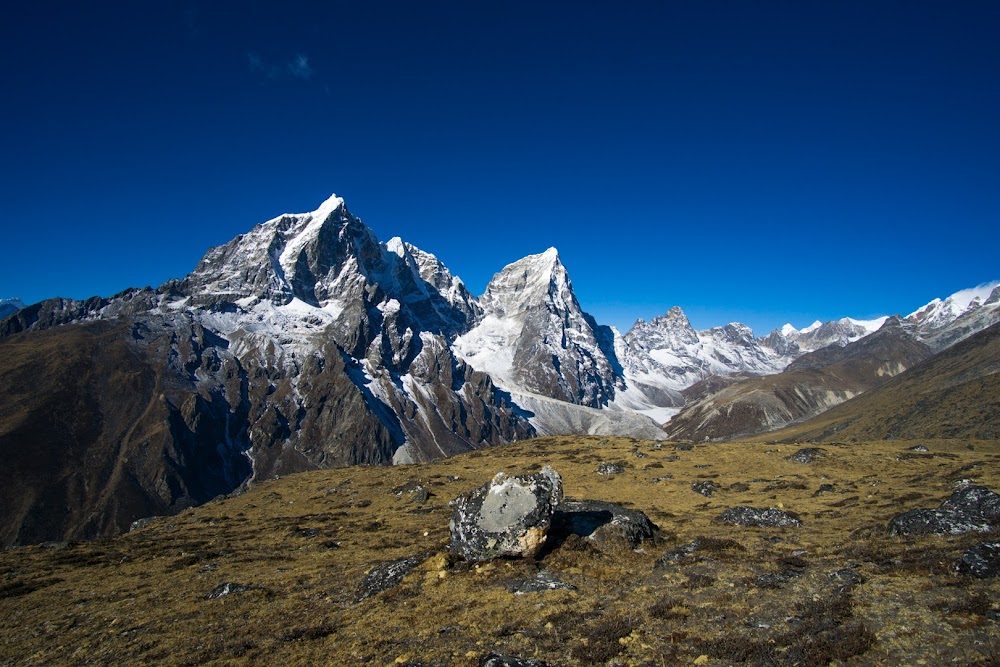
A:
[543, 581]
[497, 660]
[611, 468]
[662, 478]
[918, 448]
[386, 575]
[970, 509]
[981, 561]
[689, 553]
[753, 516]
[683, 448]
[845, 579]
[705, 488]
[638, 454]
[509, 516]
[807, 454]
[418, 492]
[824, 488]
[228, 588]
[739, 487]
[602, 523]
[776, 579]
[142, 523]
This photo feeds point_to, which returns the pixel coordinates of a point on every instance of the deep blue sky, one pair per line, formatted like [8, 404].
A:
[755, 161]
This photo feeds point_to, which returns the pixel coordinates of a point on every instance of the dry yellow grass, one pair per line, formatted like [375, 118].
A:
[302, 544]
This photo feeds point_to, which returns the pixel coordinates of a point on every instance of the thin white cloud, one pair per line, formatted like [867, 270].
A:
[299, 67]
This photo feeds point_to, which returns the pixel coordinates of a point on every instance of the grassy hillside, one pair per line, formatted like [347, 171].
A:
[300, 546]
[955, 394]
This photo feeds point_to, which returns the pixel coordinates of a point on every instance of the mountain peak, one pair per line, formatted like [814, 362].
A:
[331, 204]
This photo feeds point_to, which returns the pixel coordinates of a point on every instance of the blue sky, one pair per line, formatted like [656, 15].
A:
[754, 161]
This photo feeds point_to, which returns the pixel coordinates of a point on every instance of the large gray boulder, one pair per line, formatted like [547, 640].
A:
[509, 516]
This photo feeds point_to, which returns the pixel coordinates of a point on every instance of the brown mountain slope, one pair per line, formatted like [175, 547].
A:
[813, 384]
[955, 394]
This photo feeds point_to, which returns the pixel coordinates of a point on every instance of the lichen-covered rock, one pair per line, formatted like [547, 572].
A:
[807, 454]
[603, 523]
[970, 509]
[770, 517]
[693, 552]
[981, 561]
[509, 516]
[386, 575]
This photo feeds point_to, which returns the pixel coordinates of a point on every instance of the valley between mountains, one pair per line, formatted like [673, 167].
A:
[306, 343]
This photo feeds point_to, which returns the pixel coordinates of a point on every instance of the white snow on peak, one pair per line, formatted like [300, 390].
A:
[959, 302]
[788, 330]
[870, 326]
[812, 327]
[327, 207]
[551, 253]
[396, 246]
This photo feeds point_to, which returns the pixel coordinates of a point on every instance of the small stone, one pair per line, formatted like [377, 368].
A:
[543, 581]
[705, 488]
[498, 660]
[386, 575]
[918, 448]
[824, 488]
[225, 589]
[845, 579]
[807, 454]
[752, 516]
[683, 448]
[611, 468]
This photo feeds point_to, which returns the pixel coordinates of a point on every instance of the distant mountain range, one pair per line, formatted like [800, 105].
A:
[308, 343]
[10, 306]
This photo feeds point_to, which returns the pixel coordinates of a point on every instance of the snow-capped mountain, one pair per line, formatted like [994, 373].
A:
[942, 323]
[533, 337]
[10, 306]
[306, 342]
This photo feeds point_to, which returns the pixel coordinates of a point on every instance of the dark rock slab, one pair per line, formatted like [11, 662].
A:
[807, 454]
[509, 516]
[386, 575]
[752, 516]
[543, 581]
[970, 509]
[981, 561]
[824, 488]
[845, 579]
[498, 660]
[602, 523]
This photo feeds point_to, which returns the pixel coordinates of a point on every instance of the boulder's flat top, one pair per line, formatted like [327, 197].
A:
[294, 551]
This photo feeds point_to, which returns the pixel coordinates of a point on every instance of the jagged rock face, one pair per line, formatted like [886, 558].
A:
[533, 335]
[942, 324]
